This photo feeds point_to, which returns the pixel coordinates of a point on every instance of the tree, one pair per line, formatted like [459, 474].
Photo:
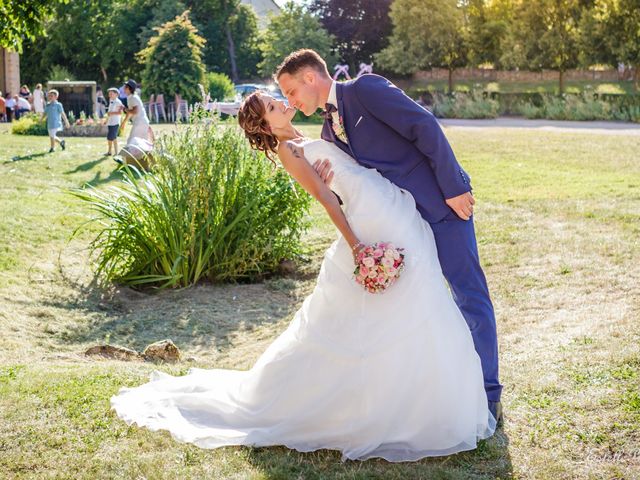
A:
[624, 25]
[94, 39]
[488, 26]
[361, 27]
[85, 37]
[545, 34]
[23, 19]
[426, 34]
[231, 31]
[162, 12]
[293, 29]
[173, 60]
[610, 33]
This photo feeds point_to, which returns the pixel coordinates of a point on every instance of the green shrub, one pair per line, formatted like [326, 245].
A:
[444, 106]
[315, 118]
[60, 73]
[29, 124]
[555, 108]
[529, 110]
[211, 209]
[220, 87]
[465, 105]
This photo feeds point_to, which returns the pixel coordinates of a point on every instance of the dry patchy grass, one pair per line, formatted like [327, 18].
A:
[558, 226]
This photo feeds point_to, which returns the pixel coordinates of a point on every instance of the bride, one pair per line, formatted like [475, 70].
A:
[392, 375]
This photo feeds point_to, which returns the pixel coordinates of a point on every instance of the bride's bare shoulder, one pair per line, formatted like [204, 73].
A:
[290, 148]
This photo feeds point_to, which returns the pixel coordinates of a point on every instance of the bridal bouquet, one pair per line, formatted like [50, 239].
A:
[378, 266]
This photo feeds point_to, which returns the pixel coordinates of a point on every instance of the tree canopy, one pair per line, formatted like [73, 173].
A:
[173, 60]
[294, 28]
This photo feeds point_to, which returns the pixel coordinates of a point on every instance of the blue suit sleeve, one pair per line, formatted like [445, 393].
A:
[390, 105]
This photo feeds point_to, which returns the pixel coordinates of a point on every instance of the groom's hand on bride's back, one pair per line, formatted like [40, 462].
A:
[462, 205]
[323, 169]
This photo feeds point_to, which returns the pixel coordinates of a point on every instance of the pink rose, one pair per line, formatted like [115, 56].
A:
[368, 262]
[377, 253]
[360, 279]
[364, 271]
[387, 262]
[372, 274]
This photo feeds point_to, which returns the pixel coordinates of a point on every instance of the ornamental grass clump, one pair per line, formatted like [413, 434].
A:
[211, 209]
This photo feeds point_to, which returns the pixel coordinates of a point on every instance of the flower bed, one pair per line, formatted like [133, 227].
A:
[32, 124]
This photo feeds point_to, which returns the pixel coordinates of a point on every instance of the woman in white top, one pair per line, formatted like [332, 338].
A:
[135, 111]
[38, 99]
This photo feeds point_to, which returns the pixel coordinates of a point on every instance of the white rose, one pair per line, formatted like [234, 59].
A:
[368, 262]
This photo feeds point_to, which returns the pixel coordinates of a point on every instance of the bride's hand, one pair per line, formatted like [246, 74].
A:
[323, 169]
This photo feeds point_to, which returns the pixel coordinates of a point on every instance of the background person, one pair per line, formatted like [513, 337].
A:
[136, 112]
[3, 108]
[113, 120]
[38, 99]
[10, 105]
[54, 114]
[22, 106]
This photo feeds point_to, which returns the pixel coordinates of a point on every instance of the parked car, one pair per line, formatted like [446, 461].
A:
[245, 89]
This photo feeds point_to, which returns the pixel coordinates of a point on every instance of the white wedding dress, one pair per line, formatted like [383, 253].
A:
[392, 375]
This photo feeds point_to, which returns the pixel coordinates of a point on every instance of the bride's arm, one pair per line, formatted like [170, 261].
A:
[292, 158]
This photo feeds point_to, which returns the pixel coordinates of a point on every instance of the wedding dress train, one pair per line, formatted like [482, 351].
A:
[393, 375]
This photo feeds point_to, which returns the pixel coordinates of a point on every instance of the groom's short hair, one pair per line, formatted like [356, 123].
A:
[300, 59]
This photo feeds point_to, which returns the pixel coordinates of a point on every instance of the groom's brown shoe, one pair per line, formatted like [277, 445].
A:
[496, 410]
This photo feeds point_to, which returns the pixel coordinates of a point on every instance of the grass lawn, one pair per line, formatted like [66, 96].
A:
[558, 224]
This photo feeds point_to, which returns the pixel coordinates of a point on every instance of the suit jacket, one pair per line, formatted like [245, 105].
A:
[388, 131]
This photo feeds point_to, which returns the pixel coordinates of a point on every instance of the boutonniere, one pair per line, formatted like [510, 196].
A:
[338, 129]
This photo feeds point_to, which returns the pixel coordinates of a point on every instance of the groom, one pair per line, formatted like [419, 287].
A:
[377, 124]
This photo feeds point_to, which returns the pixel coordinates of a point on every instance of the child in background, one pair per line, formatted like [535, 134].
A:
[113, 120]
[54, 113]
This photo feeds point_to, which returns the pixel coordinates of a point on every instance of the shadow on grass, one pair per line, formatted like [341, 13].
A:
[489, 461]
[86, 166]
[98, 179]
[205, 317]
[31, 156]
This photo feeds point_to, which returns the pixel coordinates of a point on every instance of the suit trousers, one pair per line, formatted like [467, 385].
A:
[458, 255]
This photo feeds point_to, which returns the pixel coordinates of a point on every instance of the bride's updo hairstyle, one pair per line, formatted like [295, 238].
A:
[256, 128]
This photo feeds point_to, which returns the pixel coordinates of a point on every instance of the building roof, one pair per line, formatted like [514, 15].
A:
[263, 8]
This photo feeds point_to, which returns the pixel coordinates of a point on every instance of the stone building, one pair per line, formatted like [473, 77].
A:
[263, 8]
[9, 72]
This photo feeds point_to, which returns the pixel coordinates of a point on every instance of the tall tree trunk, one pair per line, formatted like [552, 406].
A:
[450, 80]
[561, 82]
[232, 55]
[104, 74]
[636, 77]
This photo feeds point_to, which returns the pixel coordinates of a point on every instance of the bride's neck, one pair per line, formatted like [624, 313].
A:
[288, 133]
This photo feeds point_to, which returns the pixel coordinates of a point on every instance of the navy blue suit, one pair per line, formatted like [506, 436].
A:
[388, 131]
